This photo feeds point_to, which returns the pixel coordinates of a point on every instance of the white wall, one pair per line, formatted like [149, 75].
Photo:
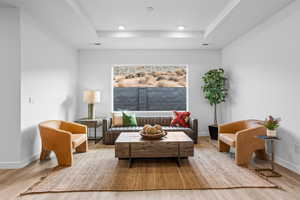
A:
[49, 78]
[9, 85]
[36, 66]
[96, 69]
[265, 67]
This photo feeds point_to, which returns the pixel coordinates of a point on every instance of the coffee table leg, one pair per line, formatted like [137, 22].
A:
[178, 162]
[130, 159]
[178, 156]
[130, 162]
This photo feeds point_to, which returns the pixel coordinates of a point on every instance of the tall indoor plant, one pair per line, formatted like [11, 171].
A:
[215, 92]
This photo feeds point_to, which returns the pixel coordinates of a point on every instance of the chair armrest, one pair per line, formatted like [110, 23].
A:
[248, 136]
[54, 138]
[74, 128]
[231, 127]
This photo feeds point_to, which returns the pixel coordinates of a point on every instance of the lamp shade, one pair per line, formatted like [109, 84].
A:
[91, 96]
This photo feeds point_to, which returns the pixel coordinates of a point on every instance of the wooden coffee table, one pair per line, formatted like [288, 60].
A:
[131, 145]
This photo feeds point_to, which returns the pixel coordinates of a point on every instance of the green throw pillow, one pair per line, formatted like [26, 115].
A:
[129, 119]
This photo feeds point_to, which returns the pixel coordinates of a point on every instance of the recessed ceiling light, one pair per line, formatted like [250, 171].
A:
[121, 28]
[149, 8]
[97, 43]
[181, 28]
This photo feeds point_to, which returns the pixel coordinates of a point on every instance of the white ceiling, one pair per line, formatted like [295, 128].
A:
[83, 22]
[5, 5]
[167, 14]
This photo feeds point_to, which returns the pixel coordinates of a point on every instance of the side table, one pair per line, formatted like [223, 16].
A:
[272, 172]
[92, 123]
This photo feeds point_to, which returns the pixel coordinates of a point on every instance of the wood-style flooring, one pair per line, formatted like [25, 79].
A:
[13, 182]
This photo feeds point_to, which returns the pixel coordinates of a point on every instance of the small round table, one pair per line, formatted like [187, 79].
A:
[272, 172]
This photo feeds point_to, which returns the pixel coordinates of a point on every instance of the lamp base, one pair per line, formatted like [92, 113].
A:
[91, 111]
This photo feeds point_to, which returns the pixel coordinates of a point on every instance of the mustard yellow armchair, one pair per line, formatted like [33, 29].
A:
[61, 137]
[241, 135]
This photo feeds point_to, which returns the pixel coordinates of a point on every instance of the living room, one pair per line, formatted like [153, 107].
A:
[116, 99]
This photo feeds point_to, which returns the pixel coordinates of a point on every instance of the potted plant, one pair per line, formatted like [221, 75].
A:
[271, 125]
[215, 92]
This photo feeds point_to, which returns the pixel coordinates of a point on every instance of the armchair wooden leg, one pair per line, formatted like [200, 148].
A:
[82, 148]
[64, 157]
[223, 147]
[45, 154]
[243, 158]
[261, 154]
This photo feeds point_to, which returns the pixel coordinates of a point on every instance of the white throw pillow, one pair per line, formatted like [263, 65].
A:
[117, 119]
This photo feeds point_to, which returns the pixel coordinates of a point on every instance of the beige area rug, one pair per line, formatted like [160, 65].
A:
[98, 170]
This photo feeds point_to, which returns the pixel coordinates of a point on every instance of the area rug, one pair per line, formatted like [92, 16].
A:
[99, 170]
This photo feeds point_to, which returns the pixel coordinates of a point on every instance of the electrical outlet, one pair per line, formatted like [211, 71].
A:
[297, 148]
[30, 100]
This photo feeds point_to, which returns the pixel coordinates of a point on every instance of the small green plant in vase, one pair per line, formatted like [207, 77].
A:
[271, 125]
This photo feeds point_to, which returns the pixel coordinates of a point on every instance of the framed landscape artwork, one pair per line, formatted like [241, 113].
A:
[149, 87]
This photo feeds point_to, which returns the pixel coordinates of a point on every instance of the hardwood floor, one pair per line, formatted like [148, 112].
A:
[13, 182]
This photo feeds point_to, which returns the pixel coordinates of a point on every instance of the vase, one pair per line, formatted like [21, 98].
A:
[271, 133]
[213, 132]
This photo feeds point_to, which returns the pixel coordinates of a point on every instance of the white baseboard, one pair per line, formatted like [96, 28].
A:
[287, 164]
[19, 164]
[9, 165]
[203, 133]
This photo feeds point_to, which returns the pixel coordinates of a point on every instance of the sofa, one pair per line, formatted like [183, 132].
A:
[241, 135]
[110, 133]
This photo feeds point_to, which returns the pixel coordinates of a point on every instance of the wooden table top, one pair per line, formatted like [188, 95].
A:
[90, 120]
[135, 137]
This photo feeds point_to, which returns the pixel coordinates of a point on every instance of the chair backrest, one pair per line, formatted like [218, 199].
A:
[251, 123]
[51, 124]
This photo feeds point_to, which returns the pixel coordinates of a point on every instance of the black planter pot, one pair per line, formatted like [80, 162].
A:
[213, 132]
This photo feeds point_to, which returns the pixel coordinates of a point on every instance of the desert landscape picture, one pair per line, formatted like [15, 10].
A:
[149, 76]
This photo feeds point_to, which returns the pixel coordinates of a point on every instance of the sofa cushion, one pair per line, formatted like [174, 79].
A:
[188, 131]
[174, 128]
[125, 128]
[138, 128]
[228, 138]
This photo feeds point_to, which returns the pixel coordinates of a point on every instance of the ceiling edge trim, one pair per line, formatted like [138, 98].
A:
[83, 16]
[224, 13]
